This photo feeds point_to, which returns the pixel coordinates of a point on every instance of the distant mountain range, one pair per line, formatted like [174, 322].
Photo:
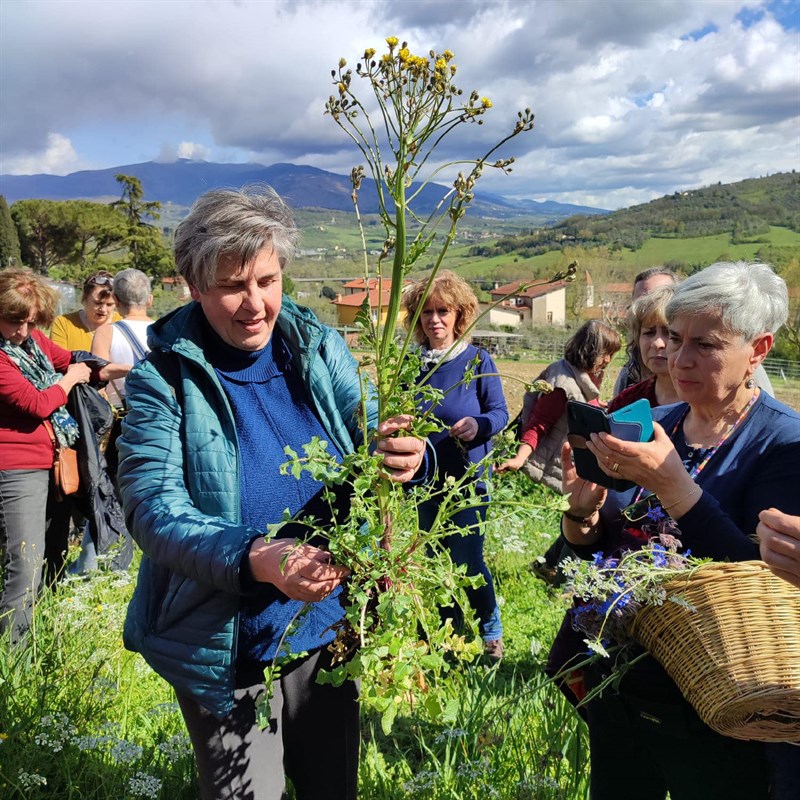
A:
[182, 181]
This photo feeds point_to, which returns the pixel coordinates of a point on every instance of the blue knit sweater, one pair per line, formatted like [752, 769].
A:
[271, 410]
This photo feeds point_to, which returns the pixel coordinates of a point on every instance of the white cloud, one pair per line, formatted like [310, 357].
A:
[194, 151]
[168, 153]
[57, 158]
[626, 99]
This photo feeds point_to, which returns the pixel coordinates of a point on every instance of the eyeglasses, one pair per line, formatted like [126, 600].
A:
[647, 506]
[99, 280]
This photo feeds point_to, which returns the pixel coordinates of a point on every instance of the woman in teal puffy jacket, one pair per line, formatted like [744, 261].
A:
[233, 379]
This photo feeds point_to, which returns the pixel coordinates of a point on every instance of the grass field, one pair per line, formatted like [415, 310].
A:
[80, 717]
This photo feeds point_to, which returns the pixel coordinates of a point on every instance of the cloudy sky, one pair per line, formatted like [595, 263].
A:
[633, 98]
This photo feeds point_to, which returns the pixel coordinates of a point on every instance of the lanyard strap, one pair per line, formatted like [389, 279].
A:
[698, 468]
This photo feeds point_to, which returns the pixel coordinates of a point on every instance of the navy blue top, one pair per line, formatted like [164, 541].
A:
[483, 399]
[271, 409]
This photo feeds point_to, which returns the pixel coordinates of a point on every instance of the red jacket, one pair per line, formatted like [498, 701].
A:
[24, 440]
[644, 389]
[548, 410]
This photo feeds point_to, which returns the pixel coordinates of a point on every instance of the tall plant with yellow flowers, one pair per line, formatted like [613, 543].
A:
[393, 636]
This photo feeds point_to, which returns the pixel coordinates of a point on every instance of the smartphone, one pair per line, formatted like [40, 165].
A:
[633, 423]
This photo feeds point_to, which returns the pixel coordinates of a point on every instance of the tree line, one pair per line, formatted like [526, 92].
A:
[76, 236]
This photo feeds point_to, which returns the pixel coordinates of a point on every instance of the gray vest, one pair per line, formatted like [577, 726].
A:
[544, 464]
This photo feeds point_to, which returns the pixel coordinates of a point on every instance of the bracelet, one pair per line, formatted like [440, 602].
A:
[580, 520]
[694, 491]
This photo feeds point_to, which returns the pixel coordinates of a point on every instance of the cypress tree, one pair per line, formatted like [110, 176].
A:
[9, 240]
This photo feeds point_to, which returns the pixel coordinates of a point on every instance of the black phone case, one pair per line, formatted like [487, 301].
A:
[583, 420]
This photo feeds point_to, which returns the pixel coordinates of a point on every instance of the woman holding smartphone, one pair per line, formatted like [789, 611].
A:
[720, 456]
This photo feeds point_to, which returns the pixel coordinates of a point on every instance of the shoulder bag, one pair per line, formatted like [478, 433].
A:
[65, 467]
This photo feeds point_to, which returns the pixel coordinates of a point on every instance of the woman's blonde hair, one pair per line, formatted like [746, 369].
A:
[448, 289]
[23, 293]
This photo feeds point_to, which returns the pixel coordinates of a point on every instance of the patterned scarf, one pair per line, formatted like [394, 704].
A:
[36, 367]
[430, 358]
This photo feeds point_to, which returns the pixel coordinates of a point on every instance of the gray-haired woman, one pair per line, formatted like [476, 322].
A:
[725, 453]
[232, 380]
[125, 341]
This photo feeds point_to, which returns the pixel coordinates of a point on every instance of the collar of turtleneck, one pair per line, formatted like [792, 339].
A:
[246, 366]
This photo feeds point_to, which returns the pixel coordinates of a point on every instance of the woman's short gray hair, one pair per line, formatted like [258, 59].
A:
[132, 287]
[233, 222]
[749, 298]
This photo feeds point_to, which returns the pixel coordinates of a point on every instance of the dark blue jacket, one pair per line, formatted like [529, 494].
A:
[756, 468]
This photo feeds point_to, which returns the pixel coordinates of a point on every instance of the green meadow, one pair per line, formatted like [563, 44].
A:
[694, 252]
[81, 717]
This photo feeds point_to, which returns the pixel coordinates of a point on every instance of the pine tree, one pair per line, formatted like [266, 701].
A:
[9, 239]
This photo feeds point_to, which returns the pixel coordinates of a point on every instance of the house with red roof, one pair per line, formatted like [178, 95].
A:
[356, 291]
[525, 305]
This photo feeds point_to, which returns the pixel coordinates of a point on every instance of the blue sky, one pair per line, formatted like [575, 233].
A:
[633, 98]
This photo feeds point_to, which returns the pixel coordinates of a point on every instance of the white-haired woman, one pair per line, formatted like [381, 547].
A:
[125, 341]
[233, 379]
[718, 458]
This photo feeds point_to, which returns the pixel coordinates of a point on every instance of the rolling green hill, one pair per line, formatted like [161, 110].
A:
[744, 212]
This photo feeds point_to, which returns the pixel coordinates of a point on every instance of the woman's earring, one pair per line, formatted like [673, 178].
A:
[750, 383]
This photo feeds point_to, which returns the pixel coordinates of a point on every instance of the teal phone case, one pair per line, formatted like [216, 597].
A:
[633, 423]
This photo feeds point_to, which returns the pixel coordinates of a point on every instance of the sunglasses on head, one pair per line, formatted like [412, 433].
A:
[642, 508]
[99, 280]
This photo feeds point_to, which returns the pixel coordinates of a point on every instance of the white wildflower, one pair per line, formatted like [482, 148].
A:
[55, 730]
[30, 780]
[144, 785]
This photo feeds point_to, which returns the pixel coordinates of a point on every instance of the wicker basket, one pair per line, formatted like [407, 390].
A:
[736, 658]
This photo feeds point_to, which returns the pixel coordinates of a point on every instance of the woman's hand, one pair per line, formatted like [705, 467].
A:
[517, 462]
[300, 571]
[585, 497]
[402, 455]
[75, 374]
[779, 542]
[466, 429]
[653, 465]
[582, 527]
[111, 371]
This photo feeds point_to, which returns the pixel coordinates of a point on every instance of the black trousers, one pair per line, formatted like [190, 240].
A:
[313, 739]
[646, 740]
